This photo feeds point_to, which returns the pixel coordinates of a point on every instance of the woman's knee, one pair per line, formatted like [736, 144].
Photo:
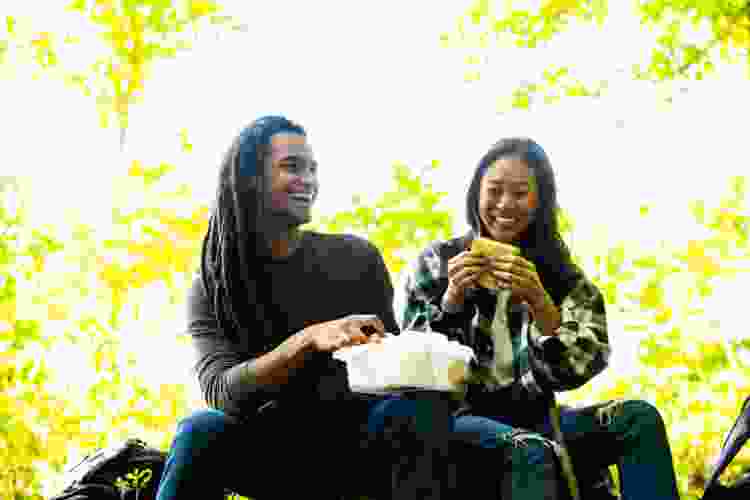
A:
[527, 447]
[481, 431]
[533, 449]
[630, 411]
[643, 412]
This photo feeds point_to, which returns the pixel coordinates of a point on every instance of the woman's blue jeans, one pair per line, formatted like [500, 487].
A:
[630, 434]
[284, 455]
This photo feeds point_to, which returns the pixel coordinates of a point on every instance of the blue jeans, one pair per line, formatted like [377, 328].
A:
[629, 434]
[286, 455]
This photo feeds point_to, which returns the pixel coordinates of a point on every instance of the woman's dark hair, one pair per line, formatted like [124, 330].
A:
[541, 243]
[237, 243]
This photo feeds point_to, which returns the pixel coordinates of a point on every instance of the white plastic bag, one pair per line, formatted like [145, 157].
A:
[412, 360]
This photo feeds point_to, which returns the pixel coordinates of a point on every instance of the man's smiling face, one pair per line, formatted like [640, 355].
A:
[294, 178]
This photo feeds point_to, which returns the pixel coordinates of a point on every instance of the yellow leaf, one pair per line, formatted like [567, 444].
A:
[200, 8]
[8, 312]
[136, 169]
[650, 296]
[663, 315]
[99, 360]
[700, 263]
[557, 7]
[42, 41]
[727, 221]
[143, 274]
[56, 312]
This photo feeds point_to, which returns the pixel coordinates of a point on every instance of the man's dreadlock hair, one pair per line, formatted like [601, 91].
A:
[237, 242]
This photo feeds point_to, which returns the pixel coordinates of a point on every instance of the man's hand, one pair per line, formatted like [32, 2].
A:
[352, 330]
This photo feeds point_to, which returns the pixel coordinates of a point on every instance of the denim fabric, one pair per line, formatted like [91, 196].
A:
[629, 434]
[528, 469]
[279, 456]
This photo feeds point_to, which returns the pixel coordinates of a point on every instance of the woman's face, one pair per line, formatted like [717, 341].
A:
[294, 177]
[507, 199]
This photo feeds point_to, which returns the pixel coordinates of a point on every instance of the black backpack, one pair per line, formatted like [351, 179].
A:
[740, 488]
[130, 470]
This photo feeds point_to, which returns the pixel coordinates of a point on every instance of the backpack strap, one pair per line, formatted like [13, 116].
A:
[565, 462]
[736, 438]
[88, 491]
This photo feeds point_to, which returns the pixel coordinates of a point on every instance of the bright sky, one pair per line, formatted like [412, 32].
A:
[373, 85]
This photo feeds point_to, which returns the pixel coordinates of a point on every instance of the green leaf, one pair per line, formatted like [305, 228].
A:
[615, 260]
[636, 328]
[25, 331]
[704, 289]
[648, 262]
[521, 100]
[6, 422]
[600, 10]
[10, 24]
[26, 370]
[185, 144]
[739, 187]
[698, 210]
[7, 288]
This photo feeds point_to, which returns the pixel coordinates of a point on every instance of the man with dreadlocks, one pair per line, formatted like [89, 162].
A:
[271, 304]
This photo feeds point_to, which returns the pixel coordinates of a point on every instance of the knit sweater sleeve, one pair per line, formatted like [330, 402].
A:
[224, 375]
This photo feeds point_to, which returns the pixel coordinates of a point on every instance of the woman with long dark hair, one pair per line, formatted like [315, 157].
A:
[537, 326]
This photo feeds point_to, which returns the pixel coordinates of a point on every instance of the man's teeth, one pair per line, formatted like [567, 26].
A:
[306, 197]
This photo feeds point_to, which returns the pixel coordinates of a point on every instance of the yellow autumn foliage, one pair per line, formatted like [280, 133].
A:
[47, 421]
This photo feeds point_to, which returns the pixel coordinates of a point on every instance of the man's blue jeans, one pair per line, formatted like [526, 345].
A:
[286, 455]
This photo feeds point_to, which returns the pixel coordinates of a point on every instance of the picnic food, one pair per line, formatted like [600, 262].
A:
[485, 247]
[418, 359]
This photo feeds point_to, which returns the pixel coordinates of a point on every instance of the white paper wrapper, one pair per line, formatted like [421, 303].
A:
[412, 360]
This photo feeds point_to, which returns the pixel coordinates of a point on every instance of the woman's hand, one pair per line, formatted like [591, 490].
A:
[520, 276]
[463, 272]
[351, 330]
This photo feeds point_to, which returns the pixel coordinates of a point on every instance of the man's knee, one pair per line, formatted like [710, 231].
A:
[385, 411]
[202, 427]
